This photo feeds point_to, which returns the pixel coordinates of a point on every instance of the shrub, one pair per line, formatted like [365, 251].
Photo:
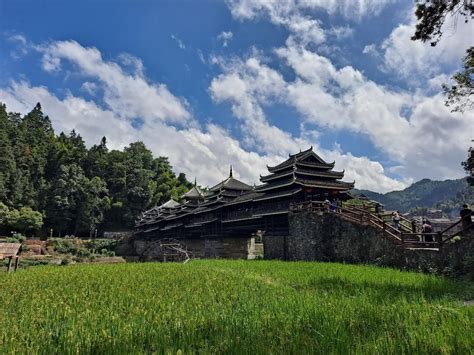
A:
[63, 246]
[102, 244]
[16, 238]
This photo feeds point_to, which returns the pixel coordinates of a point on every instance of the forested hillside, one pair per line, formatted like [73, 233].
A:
[447, 195]
[51, 181]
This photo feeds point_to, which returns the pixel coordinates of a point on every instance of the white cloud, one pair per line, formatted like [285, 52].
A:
[201, 56]
[352, 9]
[417, 61]
[225, 37]
[50, 63]
[371, 49]
[128, 95]
[89, 87]
[180, 43]
[340, 33]
[132, 62]
[412, 128]
[250, 85]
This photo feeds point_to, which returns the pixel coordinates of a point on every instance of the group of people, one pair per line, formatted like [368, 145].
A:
[427, 227]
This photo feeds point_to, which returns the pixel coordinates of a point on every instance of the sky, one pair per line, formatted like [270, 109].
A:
[244, 83]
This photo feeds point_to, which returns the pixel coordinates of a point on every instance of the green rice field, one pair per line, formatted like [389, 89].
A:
[219, 306]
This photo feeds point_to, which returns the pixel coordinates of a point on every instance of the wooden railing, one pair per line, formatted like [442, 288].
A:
[407, 234]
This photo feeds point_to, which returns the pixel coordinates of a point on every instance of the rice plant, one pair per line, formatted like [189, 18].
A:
[232, 307]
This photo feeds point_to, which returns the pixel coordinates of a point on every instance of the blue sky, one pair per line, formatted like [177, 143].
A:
[214, 83]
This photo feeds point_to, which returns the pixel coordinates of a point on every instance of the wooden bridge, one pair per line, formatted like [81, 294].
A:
[408, 234]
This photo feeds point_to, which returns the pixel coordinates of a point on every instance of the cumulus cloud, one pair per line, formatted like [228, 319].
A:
[249, 85]
[127, 94]
[294, 15]
[89, 87]
[371, 49]
[415, 60]
[414, 129]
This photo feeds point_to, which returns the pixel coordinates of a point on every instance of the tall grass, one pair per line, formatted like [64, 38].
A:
[232, 307]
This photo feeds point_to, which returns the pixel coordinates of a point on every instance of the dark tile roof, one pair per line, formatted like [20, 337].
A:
[169, 204]
[231, 184]
[300, 157]
[194, 193]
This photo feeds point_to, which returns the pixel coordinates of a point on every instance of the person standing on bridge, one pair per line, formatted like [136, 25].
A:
[395, 219]
[466, 217]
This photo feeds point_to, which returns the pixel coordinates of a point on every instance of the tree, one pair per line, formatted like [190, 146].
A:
[7, 159]
[4, 210]
[75, 189]
[28, 220]
[460, 94]
[95, 163]
[431, 15]
[468, 165]
[93, 204]
[64, 197]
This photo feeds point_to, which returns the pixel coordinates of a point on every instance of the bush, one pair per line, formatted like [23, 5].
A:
[16, 238]
[102, 244]
[83, 253]
[63, 246]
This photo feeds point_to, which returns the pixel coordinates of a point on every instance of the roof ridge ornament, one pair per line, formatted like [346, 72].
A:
[230, 174]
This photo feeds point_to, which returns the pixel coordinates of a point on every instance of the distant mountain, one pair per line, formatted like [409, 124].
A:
[447, 195]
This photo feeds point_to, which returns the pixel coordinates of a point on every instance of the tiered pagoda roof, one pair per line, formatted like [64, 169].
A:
[305, 169]
[228, 189]
[194, 194]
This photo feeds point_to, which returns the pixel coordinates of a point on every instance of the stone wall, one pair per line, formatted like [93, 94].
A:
[212, 248]
[330, 238]
[274, 247]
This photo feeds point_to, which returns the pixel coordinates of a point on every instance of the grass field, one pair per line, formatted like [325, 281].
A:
[233, 307]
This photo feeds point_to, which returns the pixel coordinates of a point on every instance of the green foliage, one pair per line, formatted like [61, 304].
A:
[431, 16]
[29, 219]
[24, 220]
[4, 211]
[63, 246]
[16, 238]
[77, 190]
[102, 244]
[460, 95]
[239, 307]
[468, 165]
[83, 249]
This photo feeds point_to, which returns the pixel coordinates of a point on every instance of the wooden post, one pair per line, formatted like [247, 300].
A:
[10, 260]
[439, 239]
[383, 226]
[17, 260]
